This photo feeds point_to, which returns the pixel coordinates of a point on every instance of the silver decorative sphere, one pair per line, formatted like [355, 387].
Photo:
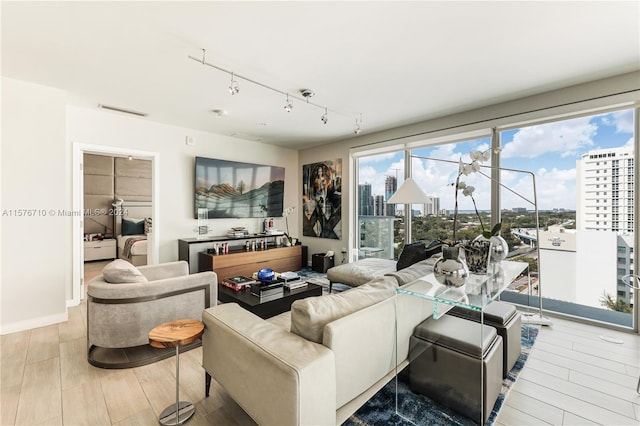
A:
[499, 248]
[450, 270]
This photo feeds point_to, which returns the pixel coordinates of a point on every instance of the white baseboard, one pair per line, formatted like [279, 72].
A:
[33, 323]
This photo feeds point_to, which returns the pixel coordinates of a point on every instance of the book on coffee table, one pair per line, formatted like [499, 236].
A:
[292, 285]
[267, 289]
[238, 283]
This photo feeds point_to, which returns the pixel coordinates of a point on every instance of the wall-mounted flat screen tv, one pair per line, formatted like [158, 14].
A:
[231, 189]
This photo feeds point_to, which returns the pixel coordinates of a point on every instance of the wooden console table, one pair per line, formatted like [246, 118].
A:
[245, 263]
[189, 250]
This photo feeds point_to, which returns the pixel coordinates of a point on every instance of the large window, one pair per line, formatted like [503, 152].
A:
[435, 221]
[583, 167]
[584, 204]
[380, 224]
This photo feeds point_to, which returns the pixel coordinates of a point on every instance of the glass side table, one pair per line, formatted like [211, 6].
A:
[426, 297]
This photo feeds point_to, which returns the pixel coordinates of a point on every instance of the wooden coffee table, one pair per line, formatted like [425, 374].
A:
[270, 308]
[174, 334]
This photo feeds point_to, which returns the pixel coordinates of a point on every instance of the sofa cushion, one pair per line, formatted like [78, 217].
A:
[132, 226]
[411, 253]
[417, 251]
[413, 272]
[310, 315]
[361, 271]
[120, 271]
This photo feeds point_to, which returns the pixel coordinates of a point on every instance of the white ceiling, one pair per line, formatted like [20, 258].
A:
[395, 63]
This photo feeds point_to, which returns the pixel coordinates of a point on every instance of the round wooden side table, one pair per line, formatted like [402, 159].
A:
[175, 334]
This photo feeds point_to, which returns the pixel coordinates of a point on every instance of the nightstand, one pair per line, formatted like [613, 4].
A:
[99, 249]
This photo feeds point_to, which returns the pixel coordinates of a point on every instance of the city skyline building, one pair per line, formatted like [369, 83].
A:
[365, 201]
[390, 187]
[379, 204]
[604, 179]
[605, 206]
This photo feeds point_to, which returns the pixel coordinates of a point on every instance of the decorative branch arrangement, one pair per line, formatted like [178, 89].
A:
[477, 157]
[286, 214]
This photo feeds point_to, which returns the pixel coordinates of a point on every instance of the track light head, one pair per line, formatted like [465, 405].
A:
[288, 106]
[234, 88]
[358, 126]
[325, 117]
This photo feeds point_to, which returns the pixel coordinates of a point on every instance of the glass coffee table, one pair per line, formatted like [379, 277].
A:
[271, 306]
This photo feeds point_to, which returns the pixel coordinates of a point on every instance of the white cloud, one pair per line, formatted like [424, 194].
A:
[629, 143]
[556, 188]
[369, 175]
[622, 120]
[567, 137]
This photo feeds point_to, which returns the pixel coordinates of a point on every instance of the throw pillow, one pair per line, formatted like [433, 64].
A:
[121, 272]
[309, 316]
[148, 224]
[132, 226]
[411, 253]
[434, 247]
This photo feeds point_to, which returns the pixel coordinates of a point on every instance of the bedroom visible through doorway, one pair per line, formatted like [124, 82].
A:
[116, 192]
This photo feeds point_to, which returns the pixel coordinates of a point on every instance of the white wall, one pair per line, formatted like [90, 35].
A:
[558, 275]
[596, 266]
[38, 133]
[36, 247]
[176, 158]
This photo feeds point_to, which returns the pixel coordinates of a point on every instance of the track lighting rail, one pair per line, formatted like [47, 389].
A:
[306, 93]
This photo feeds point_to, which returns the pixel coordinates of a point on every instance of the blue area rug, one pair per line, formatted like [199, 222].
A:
[380, 410]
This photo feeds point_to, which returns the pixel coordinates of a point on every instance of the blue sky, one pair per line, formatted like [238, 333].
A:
[548, 150]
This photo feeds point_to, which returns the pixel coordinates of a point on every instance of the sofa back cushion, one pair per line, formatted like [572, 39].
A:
[417, 251]
[413, 272]
[309, 316]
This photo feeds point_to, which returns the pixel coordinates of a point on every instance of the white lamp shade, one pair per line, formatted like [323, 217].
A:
[409, 193]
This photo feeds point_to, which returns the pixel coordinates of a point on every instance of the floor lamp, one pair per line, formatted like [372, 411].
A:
[410, 191]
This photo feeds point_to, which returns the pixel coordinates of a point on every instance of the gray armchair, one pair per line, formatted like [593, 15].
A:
[120, 315]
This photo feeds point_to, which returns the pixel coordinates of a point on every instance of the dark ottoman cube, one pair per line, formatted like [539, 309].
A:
[507, 321]
[445, 359]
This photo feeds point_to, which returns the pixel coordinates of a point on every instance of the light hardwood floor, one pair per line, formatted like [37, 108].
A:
[572, 377]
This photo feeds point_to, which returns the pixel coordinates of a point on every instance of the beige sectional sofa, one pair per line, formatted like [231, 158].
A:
[317, 364]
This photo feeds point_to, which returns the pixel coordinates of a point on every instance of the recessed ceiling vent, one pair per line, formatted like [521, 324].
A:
[126, 111]
[247, 136]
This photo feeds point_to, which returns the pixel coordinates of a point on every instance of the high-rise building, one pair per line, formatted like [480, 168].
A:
[605, 190]
[605, 203]
[390, 187]
[379, 204]
[432, 207]
[365, 201]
